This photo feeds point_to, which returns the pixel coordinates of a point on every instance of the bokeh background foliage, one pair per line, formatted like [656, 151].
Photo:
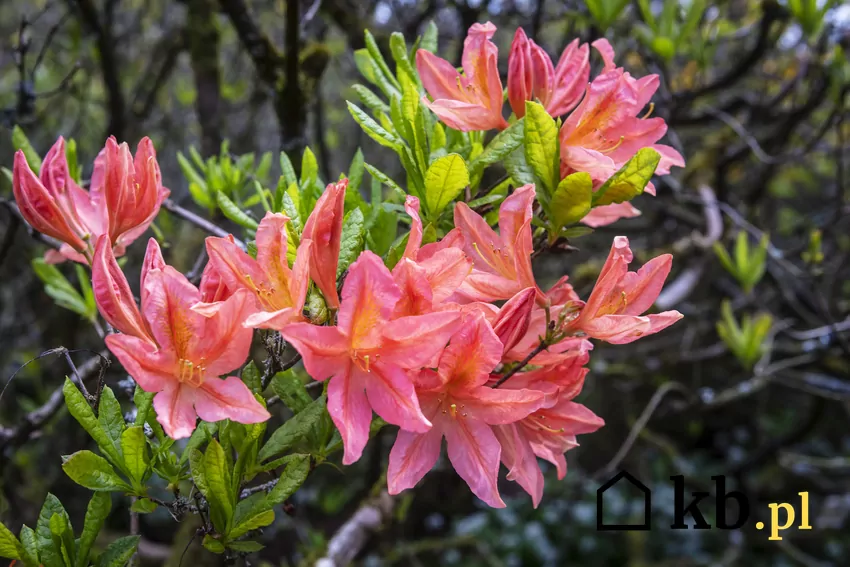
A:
[754, 383]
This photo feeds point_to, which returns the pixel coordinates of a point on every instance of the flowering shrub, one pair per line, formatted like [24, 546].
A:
[442, 331]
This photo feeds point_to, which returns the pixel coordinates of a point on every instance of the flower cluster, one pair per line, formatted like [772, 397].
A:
[603, 130]
[124, 197]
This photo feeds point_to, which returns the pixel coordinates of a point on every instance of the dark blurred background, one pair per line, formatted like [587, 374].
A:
[755, 97]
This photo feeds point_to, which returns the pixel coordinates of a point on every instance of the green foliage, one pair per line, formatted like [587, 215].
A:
[63, 292]
[605, 12]
[810, 14]
[542, 152]
[21, 142]
[445, 180]
[571, 200]
[746, 341]
[630, 180]
[748, 265]
[674, 29]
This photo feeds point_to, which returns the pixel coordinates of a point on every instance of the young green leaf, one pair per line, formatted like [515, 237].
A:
[212, 544]
[21, 142]
[291, 391]
[143, 506]
[373, 129]
[63, 538]
[251, 513]
[541, 145]
[291, 480]
[384, 179]
[386, 79]
[93, 472]
[355, 176]
[293, 429]
[48, 552]
[82, 412]
[572, 199]
[252, 377]
[96, 513]
[245, 546]
[119, 552]
[29, 547]
[110, 418]
[219, 482]
[630, 180]
[134, 446]
[351, 241]
[59, 288]
[445, 179]
[10, 547]
[500, 147]
[429, 38]
[399, 50]
[232, 211]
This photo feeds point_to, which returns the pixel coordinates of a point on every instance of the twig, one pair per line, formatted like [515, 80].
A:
[523, 363]
[199, 221]
[353, 535]
[38, 417]
[639, 425]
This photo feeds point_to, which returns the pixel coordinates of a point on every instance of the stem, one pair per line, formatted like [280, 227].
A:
[544, 344]
[199, 221]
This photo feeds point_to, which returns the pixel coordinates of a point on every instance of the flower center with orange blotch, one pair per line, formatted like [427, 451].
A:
[364, 359]
[449, 407]
[500, 261]
[614, 306]
[191, 373]
[269, 297]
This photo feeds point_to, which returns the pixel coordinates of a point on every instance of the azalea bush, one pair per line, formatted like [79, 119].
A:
[444, 334]
[411, 298]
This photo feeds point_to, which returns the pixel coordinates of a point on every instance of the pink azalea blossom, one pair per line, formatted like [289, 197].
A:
[173, 351]
[614, 311]
[428, 275]
[470, 101]
[368, 356]
[531, 76]
[279, 292]
[463, 409]
[324, 228]
[124, 198]
[550, 431]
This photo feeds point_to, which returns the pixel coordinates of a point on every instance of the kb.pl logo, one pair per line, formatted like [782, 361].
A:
[782, 515]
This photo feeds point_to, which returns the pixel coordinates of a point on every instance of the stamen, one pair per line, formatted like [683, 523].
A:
[649, 112]
[453, 410]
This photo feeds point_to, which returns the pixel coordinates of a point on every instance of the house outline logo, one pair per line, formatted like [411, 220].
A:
[647, 504]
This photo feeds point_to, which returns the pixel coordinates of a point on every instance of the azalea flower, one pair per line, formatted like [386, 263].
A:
[606, 130]
[531, 76]
[324, 229]
[124, 198]
[172, 350]
[470, 101]
[279, 292]
[463, 409]
[428, 275]
[550, 431]
[613, 312]
[368, 356]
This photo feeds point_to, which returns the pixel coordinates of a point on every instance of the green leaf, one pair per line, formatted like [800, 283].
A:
[399, 50]
[219, 482]
[119, 552]
[351, 241]
[134, 446]
[363, 62]
[500, 147]
[381, 231]
[93, 472]
[370, 99]
[110, 418]
[98, 509]
[291, 480]
[292, 207]
[143, 506]
[200, 193]
[10, 547]
[541, 145]
[286, 170]
[630, 180]
[29, 547]
[59, 288]
[373, 129]
[355, 174]
[48, 552]
[293, 429]
[291, 391]
[82, 412]
[251, 513]
[196, 466]
[429, 38]
[384, 179]
[21, 142]
[232, 211]
[63, 538]
[212, 544]
[445, 179]
[518, 168]
[309, 170]
[252, 377]
[386, 80]
[572, 199]
[245, 546]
